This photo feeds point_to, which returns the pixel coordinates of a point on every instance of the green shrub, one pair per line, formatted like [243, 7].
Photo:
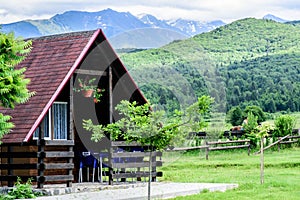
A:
[21, 191]
[284, 125]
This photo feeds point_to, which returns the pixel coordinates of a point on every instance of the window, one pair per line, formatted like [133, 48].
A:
[56, 122]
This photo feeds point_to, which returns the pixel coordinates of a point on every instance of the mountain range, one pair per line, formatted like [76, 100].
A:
[122, 28]
[244, 63]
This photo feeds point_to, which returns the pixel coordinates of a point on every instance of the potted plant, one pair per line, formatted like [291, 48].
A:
[89, 89]
[86, 86]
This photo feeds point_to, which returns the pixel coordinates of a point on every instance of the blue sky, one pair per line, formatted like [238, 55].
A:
[203, 10]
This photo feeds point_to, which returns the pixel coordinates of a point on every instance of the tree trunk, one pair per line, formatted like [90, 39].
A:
[262, 160]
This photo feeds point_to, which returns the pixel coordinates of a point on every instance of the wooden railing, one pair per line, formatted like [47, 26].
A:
[30, 161]
[225, 145]
[217, 145]
[129, 160]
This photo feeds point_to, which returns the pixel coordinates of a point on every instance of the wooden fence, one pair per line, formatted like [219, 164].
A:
[218, 145]
[132, 161]
[225, 145]
[288, 140]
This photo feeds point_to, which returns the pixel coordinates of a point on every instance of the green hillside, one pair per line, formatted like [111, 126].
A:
[247, 62]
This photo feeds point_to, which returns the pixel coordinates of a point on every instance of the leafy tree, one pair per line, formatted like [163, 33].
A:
[151, 128]
[256, 111]
[235, 116]
[140, 124]
[269, 105]
[13, 84]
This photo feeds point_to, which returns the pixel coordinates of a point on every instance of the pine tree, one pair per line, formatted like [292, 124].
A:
[13, 84]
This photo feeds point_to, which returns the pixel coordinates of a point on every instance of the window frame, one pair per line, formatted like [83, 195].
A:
[50, 123]
[52, 120]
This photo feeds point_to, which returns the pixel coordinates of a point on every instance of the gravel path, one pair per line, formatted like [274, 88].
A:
[159, 190]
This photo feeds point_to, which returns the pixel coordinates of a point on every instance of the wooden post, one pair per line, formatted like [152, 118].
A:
[71, 127]
[41, 150]
[262, 160]
[249, 149]
[110, 88]
[9, 170]
[150, 174]
[206, 150]
[154, 167]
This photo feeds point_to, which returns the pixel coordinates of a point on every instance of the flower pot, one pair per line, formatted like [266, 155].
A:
[87, 93]
[96, 100]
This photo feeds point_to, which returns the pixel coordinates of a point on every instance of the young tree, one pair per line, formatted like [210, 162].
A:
[261, 132]
[151, 128]
[250, 128]
[13, 84]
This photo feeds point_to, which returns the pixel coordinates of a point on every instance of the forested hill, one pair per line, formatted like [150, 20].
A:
[247, 62]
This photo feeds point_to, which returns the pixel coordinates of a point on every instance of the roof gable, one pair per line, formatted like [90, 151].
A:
[50, 64]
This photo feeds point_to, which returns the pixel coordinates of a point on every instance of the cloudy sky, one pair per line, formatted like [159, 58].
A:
[204, 10]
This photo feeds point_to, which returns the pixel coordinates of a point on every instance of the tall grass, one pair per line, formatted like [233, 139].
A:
[282, 173]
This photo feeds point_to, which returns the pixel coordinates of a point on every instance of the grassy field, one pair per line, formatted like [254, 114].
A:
[282, 173]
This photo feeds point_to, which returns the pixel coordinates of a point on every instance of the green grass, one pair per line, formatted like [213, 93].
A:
[282, 173]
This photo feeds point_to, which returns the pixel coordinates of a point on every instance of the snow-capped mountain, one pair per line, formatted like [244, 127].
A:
[113, 23]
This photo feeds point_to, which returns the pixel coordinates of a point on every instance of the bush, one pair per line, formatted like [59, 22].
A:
[21, 191]
[284, 125]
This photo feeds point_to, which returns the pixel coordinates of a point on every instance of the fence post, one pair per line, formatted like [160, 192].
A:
[206, 150]
[249, 149]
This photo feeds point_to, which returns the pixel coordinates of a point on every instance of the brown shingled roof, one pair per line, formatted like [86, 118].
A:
[50, 64]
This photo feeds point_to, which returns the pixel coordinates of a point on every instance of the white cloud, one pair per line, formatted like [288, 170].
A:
[204, 10]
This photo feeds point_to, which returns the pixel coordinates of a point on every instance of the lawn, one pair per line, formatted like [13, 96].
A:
[282, 173]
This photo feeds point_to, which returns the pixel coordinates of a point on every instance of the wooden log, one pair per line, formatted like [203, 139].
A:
[59, 142]
[19, 166]
[228, 142]
[90, 72]
[14, 178]
[124, 144]
[59, 154]
[136, 164]
[228, 147]
[288, 142]
[293, 137]
[55, 178]
[135, 154]
[59, 165]
[18, 154]
[187, 148]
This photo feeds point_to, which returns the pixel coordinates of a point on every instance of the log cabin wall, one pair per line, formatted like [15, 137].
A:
[23, 162]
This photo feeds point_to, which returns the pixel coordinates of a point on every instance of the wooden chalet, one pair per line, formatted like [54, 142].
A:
[48, 142]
